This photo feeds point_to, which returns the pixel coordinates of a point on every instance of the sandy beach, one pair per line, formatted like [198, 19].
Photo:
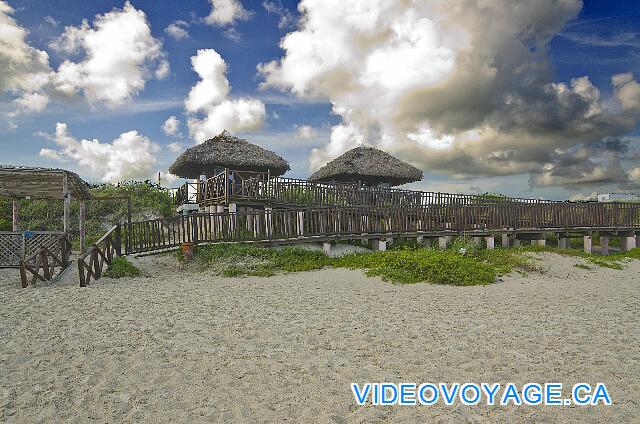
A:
[178, 346]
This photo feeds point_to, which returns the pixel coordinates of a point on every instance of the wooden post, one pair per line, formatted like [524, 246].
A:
[67, 200]
[587, 243]
[15, 214]
[128, 247]
[117, 240]
[226, 186]
[491, 242]
[505, 240]
[604, 245]
[82, 226]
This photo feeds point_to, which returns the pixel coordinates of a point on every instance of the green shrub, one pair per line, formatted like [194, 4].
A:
[463, 264]
[120, 267]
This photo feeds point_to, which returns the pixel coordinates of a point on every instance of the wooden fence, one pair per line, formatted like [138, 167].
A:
[351, 222]
[99, 255]
[42, 263]
[258, 187]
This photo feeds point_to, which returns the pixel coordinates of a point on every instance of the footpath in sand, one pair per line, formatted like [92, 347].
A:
[178, 346]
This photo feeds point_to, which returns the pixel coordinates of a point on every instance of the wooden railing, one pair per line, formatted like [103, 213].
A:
[259, 187]
[343, 222]
[101, 253]
[42, 264]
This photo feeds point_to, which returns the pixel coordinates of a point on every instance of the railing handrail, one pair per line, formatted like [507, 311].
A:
[270, 189]
[99, 242]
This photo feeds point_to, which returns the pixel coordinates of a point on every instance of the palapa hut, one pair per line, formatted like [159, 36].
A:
[227, 151]
[368, 166]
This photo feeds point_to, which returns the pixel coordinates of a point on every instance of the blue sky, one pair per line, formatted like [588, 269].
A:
[601, 40]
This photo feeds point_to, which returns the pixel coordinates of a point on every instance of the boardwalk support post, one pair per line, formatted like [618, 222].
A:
[627, 241]
[380, 245]
[563, 241]
[505, 240]
[587, 243]
[443, 241]
[604, 245]
[326, 248]
[491, 242]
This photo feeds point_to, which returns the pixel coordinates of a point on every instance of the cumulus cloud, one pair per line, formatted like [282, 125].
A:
[178, 30]
[175, 147]
[130, 156]
[461, 88]
[118, 55]
[171, 127]
[209, 97]
[627, 91]
[25, 69]
[226, 12]
[306, 132]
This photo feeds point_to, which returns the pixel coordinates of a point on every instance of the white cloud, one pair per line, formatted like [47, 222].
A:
[130, 156]
[25, 70]
[175, 147]
[118, 56]
[209, 97]
[461, 88]
[232, 34]
[226, 12]
[171, 127]
[287, 18]
[178, 30]
[34, 102]
[627, 90]
[306, 132]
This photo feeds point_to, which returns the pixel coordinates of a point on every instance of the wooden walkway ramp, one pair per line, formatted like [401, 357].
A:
[345, 223]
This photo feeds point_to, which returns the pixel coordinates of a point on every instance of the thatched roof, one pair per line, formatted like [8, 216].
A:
[369, 165]
[41, 183]
[227, 151]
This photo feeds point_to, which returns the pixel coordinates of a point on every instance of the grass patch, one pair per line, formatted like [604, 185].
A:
[120, 267]
[583, 266]
[463, 264]
[615, 260]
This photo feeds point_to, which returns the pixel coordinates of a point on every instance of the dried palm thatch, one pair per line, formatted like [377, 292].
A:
[368, 165]
[41, 183]
[227, 151]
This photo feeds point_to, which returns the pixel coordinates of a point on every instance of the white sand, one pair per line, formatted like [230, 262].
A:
[200, 348]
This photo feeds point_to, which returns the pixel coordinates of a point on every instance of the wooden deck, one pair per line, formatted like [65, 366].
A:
[344, 223]
[258, 189]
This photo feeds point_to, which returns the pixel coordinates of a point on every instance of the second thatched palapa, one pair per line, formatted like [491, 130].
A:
[227, 151]
[369, 166]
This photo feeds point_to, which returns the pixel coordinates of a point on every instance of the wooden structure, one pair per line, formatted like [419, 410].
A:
[39, 251]
[41, 265]
[92, 262]
[368, 166]
[516, 220]
[260, 189]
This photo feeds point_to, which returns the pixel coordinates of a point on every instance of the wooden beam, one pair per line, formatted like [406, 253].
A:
[15, 214]
[67, 201]
[82, 226]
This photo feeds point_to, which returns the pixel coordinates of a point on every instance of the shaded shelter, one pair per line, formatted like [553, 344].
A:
[369, 166]
[230, 152]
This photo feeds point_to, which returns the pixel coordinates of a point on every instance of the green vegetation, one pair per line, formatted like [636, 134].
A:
[614, 260]
[120, 267]
[249, 260]
[148, 201]
[463, 264]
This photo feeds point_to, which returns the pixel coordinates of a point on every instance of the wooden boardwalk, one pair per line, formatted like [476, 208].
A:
[296, 225]
[258, 189]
